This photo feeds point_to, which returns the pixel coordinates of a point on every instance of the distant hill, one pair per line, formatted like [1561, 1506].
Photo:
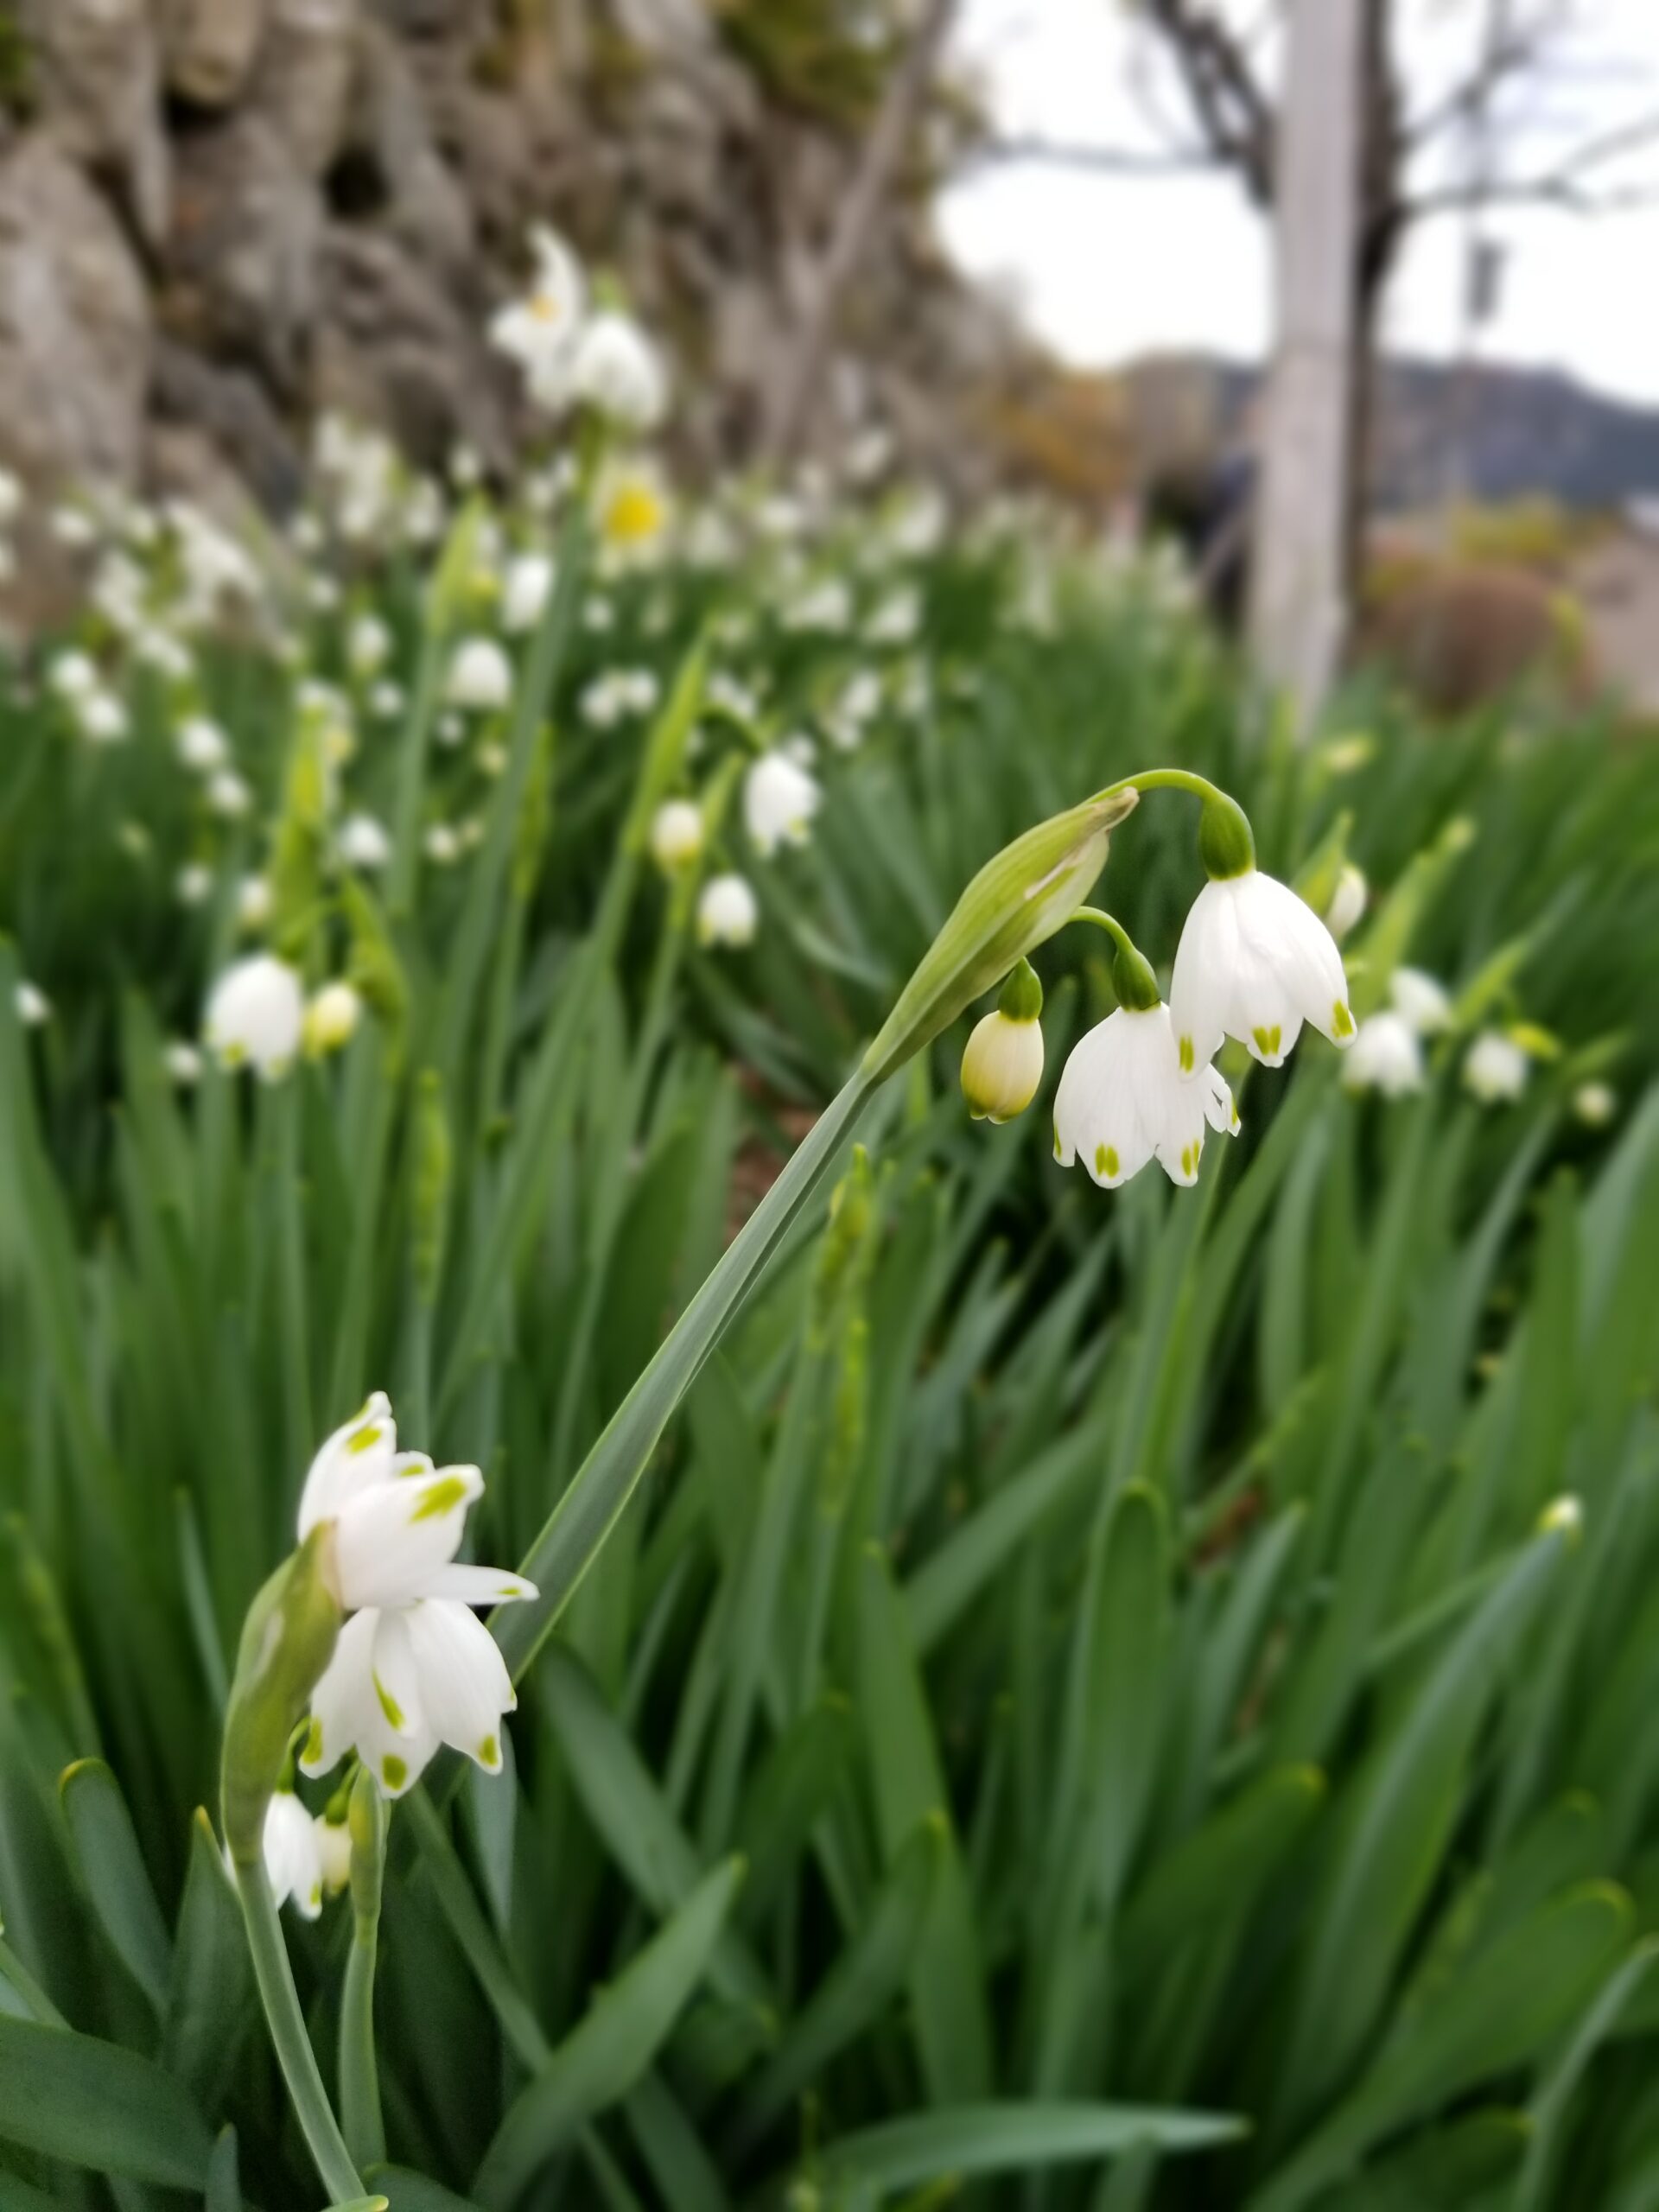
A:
[1521, 431]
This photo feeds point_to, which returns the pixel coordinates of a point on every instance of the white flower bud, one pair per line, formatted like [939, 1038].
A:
[480, 677]
[727, 912]
[677, 833]
[331, 1018]
[256, 1015]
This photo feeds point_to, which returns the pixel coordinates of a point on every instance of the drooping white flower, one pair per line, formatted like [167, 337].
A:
[256, 1016]
[386, 700]
[193, 884]
[616, 369]
[1387, 1057]
[1123, 1101]
[254, 902]
[414, 1666]
[103, 718]
[364, 842]
[182, 1062]
[31, 1005]
[727, 912]
[73, 675]
[292, 1864]
[896, 620]
[333, 1840]
[1595, 1105]
[524, 592]
[540, 330]
[228, 796]
[368, 647]
[440, 844]
[779, 800]
[1496, 1071]
[1347, 901]
[1001, 1066]
[677, 833]
[481, 676]
[1424, 1003]
[1254, 963]
[826, 607]
[332, 1017]
[202, 745]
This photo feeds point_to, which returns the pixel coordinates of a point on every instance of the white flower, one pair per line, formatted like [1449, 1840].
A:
[1001, 1066]
[331, 1019]
[364, 843]
[896, 620]
[193, 884]
[524, 592]
[442, 844]
[103, 718]
[228, 796]
[1496, 1070]
[73, 675]
[414, 1666]
[1254, 963]
[1123, 1101]
[333, 1841]
[160, 650]
[31, 1004]
[1595, 1105]
[1424, 1002]
[618, 692]
[540, 332]
[481, 676]
[368, 647]
[256, 1015]
[385, 700]
[1347, 901]
[1386, 1057]
[253, 902]
[727, 912]
[827, 607]
[202, 745]
[779, 800]
[182, 1062]
[616, 370]
[292, 1865]
[677, 833]
[631, 508]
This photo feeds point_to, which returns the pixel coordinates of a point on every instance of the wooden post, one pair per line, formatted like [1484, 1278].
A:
[1299, 598]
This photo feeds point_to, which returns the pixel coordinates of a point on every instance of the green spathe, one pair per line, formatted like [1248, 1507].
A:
[1019, 899]
[288, 1640]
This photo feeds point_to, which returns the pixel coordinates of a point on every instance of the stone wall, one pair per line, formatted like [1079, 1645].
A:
[219, 217]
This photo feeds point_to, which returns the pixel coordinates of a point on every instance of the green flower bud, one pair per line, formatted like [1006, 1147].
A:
[1019, 899]
[1226, 843]
[288, 1640]
[367, 1820]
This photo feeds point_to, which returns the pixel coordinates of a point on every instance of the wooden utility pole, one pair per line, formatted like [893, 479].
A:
[1299, 602]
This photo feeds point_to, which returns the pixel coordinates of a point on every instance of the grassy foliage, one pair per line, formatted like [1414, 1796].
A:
[1095, 1700]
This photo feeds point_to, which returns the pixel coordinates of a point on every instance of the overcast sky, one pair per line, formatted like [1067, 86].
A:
[1105, 268]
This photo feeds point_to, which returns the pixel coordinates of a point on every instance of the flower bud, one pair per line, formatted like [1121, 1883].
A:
[1003, 1062]
[1019, 899]
[366, 1821]
[331, 1020]
[676, 834]
[288, 1640]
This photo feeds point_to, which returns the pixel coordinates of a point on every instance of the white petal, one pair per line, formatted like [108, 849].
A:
[341, 1699]
[1201, 986]
[292, 1863]
[358, 1454]
[396, 1681]
[390, 1540]
[465, 1685]
[480, 1586]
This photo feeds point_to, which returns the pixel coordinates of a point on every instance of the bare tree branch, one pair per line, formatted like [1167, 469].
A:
[1109, 161]
[1232, 111]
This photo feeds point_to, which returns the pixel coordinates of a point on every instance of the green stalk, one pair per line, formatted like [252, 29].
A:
[584, 1517]
[360, 2080]
[293, 2046]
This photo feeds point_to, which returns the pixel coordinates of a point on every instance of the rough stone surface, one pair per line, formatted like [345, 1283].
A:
[208, 47]
[240, 278]
[303, 82]
[99, 91]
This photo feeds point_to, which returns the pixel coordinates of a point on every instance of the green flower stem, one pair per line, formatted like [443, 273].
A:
[360, 2080]
[601, 1487]
[293, 2046]
[1132, 976]
[1226, 842]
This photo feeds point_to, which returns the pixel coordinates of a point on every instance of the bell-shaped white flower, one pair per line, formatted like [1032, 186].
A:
[1387, 1057]
[727, 912]
[1595, 1105]
[364, 842]
[413, 1667]
[481, 676]
[616, 369]
[229, 796]
[1496, 1069]
[368, 647]
[193, 884]
[540, 330]
[1001, 1067]
[256, 1016]
[677, 833]
[1255, 962]
[254, 901]
[1426, 1004]
[779, 800]
[202, 745]
[30, 1004]
[334, 1842]
[524, 592]
[1347, 901]
[1123, 1101]
[332, 1017]
[293, 1867]
[182, 1062]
